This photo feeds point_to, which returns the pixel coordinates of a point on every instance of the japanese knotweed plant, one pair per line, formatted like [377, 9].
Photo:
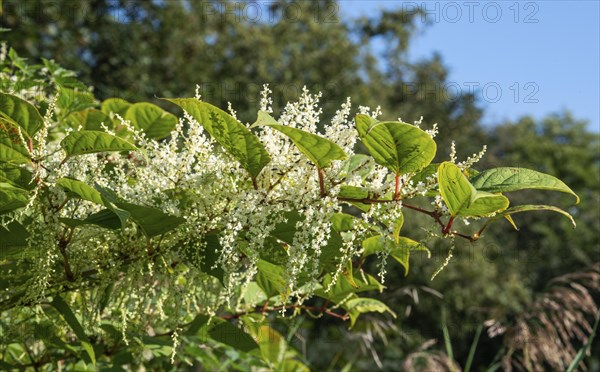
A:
[132, 236]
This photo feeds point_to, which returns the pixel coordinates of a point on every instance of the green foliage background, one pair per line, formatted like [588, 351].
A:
[141, 49]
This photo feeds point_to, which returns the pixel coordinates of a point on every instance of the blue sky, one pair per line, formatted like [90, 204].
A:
[531, 58]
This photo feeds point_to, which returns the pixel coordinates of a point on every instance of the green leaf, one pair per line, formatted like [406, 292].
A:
[231, 335]
[105, 218]
[21, 113]
[263, 118]
[343, 222]
[238, 140]
[319, 150]
[152, 221]
[400, 147]
[360, 164]
[512, 179]
[397, 227]
[485, 203]
[89, 119]
[462, 198]
[12, 235]
[399, 249]
[361, 305]
[16, 176]
[423, 174]
[345, 286]
[63, 308]
[12, 197]
[90, 141]
[81, 190]
[154, 121]
[12, 149]
[270, 278]
[455, 188]
[581, 354]
[212, 250]
[115, 106]
[72, 100]
[528, 208]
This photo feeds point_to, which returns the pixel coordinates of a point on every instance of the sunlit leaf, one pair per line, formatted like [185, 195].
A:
[319, 150]
[238, 140]
[507, 179]
[400, 147]
[151, 119]
[90, 141]
[19, 112]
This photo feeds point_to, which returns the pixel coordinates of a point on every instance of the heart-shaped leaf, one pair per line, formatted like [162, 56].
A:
[400, 147]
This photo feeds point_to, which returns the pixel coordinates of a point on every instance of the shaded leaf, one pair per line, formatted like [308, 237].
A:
[233, 336]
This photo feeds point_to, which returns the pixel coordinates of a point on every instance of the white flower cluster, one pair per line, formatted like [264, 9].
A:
[228, 221]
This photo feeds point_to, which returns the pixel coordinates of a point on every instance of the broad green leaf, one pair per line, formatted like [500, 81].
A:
[91, 141]
[104, 218]
[152, 221]
[485, 203]
[344, 287]
[13, 234]
[72, 100]
[528, 208]
[423, 174]
[512, 179]
[238, 140]
[319, 150]
[81, 190]
[462, 198]
[65, 311]
[343, 222]
[361, 305]
[115, 106]
[359, 164]
[400, 147]
[399, 249]
[12, 197]
[212, 251]
[270, 278]
[89, 119]
[151, 119]
[233, 336]
[12, 150]
[455, 188]
[16, 176]
[21, 113]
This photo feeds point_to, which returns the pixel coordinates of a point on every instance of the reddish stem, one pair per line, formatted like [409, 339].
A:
[321, 182]
[397, 191]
